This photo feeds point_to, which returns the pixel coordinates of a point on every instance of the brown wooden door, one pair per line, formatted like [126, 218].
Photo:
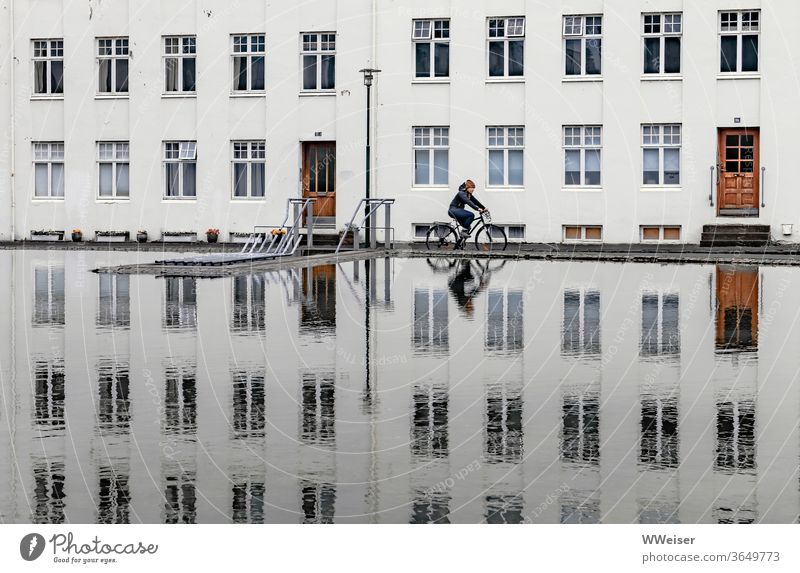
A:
[738, 171]
[737, 308]
[319, 177]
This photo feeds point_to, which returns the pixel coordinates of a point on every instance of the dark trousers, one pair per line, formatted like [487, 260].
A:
[464, 217]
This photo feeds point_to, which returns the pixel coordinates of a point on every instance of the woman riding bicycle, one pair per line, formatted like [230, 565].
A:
[463, 198]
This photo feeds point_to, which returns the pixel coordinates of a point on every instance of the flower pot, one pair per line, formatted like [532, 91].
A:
[211, 238]
[141, 237]
[77, 237]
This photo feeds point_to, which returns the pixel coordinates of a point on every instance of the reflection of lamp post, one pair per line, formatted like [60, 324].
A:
[369, 76]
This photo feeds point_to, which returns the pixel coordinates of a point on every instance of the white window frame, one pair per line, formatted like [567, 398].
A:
[513, 31]
[53, 50]
[741, 29]
[324, 44]
[436, 32]
[519, 145]
[49, 153]
[186, 47]
[186, 154]
[582, 238]
[254, 152]
[662, 136]
[575, 26]
[665, 30]
[255, 47]
[120, 50]
[430, 139]
[661, 229]
[120, 155]
[589, 138]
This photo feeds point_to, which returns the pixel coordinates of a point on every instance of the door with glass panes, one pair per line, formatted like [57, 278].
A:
[738, 189]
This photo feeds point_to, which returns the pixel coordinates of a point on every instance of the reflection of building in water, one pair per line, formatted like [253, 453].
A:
[580, 506]
[431, 320]
[180, 496]
[580, 427]
[114, 301]
[180, 302]
[180, 399]
[504, 321]
[48, 490]
[430, 507]
[735, 515]
[659, 439]
[49, 395]
[249, 419]
[248, 498]
[318, 403]
[737, 308]
[504, 433]
[113, 505]
[318, 501]
[660, 324]
[429, 437]
[113, 404]
[735, 438]
[318, 312]
[504, 508]
[581, 328]
[48, 296]
[248, 312]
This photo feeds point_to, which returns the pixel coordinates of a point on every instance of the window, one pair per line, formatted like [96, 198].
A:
[180, 169]
[504, 321]
[180, 58]
[583, 233]
[506, 47]
[249, 164]
[48, 67]
[49, 303]
[660, 233]
[431, 48]
[48, 169]
[582, 45]
[660, 324]
[248, 63]
[581, 328]
[430, 321]
[505, 147]
[662, 43]
[738, 41]
[112, 62]
[114, 169]
[661, 148]
[582, 145]
[421, 230]
[431, 155]
[319, 61]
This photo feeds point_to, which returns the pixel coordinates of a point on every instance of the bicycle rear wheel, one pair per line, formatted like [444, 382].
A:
[441, 238]
[491, 238]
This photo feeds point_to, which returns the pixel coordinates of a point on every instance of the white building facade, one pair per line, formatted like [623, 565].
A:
[587, 120]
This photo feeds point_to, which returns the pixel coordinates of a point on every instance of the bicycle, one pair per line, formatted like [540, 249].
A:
[445, 236]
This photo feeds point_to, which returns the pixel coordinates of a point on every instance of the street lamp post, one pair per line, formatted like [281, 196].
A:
[369, 76]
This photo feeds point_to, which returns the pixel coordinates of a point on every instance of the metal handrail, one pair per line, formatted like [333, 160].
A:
[374, 205]
[763, 189]
[713, 169]
[281, 244]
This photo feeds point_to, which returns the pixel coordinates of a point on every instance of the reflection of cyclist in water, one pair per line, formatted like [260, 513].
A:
[465, 286]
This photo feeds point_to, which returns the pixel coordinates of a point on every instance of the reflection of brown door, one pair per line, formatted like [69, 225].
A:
[319, 177]
[737, 308]
[738, 171]
[318, 314]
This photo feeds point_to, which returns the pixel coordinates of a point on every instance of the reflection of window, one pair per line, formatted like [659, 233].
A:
[180, 400]
[113, 305]
[249, 306]
[429, 429]
[735, 436]
[580, 430]
[318, 502]
[430, 507]
[582, 45]
[430, 320]
[503, 425]
[248, 501]
[660, 324]
[318, 312]
[180, 497]
[114, 396]
[48, 491]
[580, 507]
[659, 440]
[658, 511]
[504, 327]
[735, 515]
[48, 380]
[431, 48]
[319, 61]
[581, 329]
[248, 63]
[248, 404]
[180, 308]
[48, 296]
[318, 424]
[738, 41]
[504, 509]
[114, 496]
[506, 47]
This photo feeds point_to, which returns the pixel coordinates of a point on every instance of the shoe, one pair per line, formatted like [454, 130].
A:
[464, 233]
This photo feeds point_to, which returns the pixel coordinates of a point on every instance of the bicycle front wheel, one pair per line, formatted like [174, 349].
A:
[491, 238]
[441, 238]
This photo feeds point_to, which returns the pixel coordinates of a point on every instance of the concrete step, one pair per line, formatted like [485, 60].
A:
[736, 228]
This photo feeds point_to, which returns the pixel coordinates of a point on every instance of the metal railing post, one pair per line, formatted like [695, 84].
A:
[309, 224]
[387, 223]
[763, 189]
[711, 190]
